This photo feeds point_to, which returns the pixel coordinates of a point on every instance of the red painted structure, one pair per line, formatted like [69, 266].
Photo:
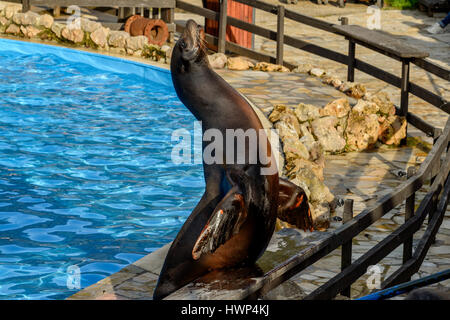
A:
[236, 10]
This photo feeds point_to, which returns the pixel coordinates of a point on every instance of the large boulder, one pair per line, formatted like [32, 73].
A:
[13, 29]
[28, 18]
[74, 35]
[392, 130]
[217, 60]
[286, 131]
[30, 31]
[381, 99]
[136, 43]
[338, 108]
[362, 131]
[239, 64]
[57, 28]
[45, 21]
[325, 131]
[100, 37]
[86, 24]
[278, 111]
[293, 149]
[366, 107]
[3, 21]
[306, 112]
[10, 10]
[118, 39]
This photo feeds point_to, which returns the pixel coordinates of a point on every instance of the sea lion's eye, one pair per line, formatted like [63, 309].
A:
[183, 44]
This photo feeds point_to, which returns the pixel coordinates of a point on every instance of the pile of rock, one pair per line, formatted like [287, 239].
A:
[307, 132]
[79, 32]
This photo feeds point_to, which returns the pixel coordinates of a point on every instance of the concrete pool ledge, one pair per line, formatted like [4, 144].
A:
[137, 281]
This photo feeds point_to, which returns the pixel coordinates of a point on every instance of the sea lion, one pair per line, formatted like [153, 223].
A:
[232, 224]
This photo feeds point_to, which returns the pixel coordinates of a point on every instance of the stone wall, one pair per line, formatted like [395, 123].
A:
[81, 32]
[307, 132]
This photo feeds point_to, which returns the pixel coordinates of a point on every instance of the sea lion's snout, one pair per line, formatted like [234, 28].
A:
[191, 43]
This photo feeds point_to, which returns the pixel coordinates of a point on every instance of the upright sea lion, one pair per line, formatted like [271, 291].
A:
[235, 218]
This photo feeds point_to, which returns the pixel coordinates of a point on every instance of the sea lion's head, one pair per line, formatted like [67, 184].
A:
[191, 43]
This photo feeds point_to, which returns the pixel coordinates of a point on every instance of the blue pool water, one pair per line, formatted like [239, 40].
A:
[86, 177]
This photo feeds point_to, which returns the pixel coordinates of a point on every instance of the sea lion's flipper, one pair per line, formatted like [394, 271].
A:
[293, 205]
[226, 221]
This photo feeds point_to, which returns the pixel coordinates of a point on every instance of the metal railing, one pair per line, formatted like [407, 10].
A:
[433, 205]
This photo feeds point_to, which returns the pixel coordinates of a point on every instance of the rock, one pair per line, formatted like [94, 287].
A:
[74, 35]
[362, 131]
[239, 64]
[291, 120]
[3, 21]
[355, 90]
[321, 215]
[332, 81]
[319, 196]
[294, 149]
[325, 131]
[285, 131]
[86, 24]
[217, 60]
[338, 108]
[381, 99]
[299, 163]
[303, 68]
[392, 130]
[168, 52]
[29, 18]
[45, 21]
[57, 28]
[278, 111]
[100, 37]
[13, 29]
[136, 43]
[30, 31]
[118, 38]
[10, 10]
[270, 67]
[366, 107]
[317, 72]
[306, 112]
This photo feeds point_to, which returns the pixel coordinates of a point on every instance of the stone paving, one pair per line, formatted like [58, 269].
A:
[363, 177]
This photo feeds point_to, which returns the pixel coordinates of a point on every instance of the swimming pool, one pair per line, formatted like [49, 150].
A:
[86, 177]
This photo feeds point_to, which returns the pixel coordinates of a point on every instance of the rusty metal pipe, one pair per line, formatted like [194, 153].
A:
[155, 30]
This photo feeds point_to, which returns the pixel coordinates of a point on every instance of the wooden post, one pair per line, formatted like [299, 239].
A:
[168, 15]
[280, 34]
[56, 11]
[404, 87]
[409, 213]
[341, 4]
[351, 61]
[346, 257]
[222, 26]
[121, 13]
[26, 5]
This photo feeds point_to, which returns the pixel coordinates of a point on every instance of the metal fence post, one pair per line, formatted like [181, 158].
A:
[280, 34]
[409, 213]
[346, 257]
[222, 26]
